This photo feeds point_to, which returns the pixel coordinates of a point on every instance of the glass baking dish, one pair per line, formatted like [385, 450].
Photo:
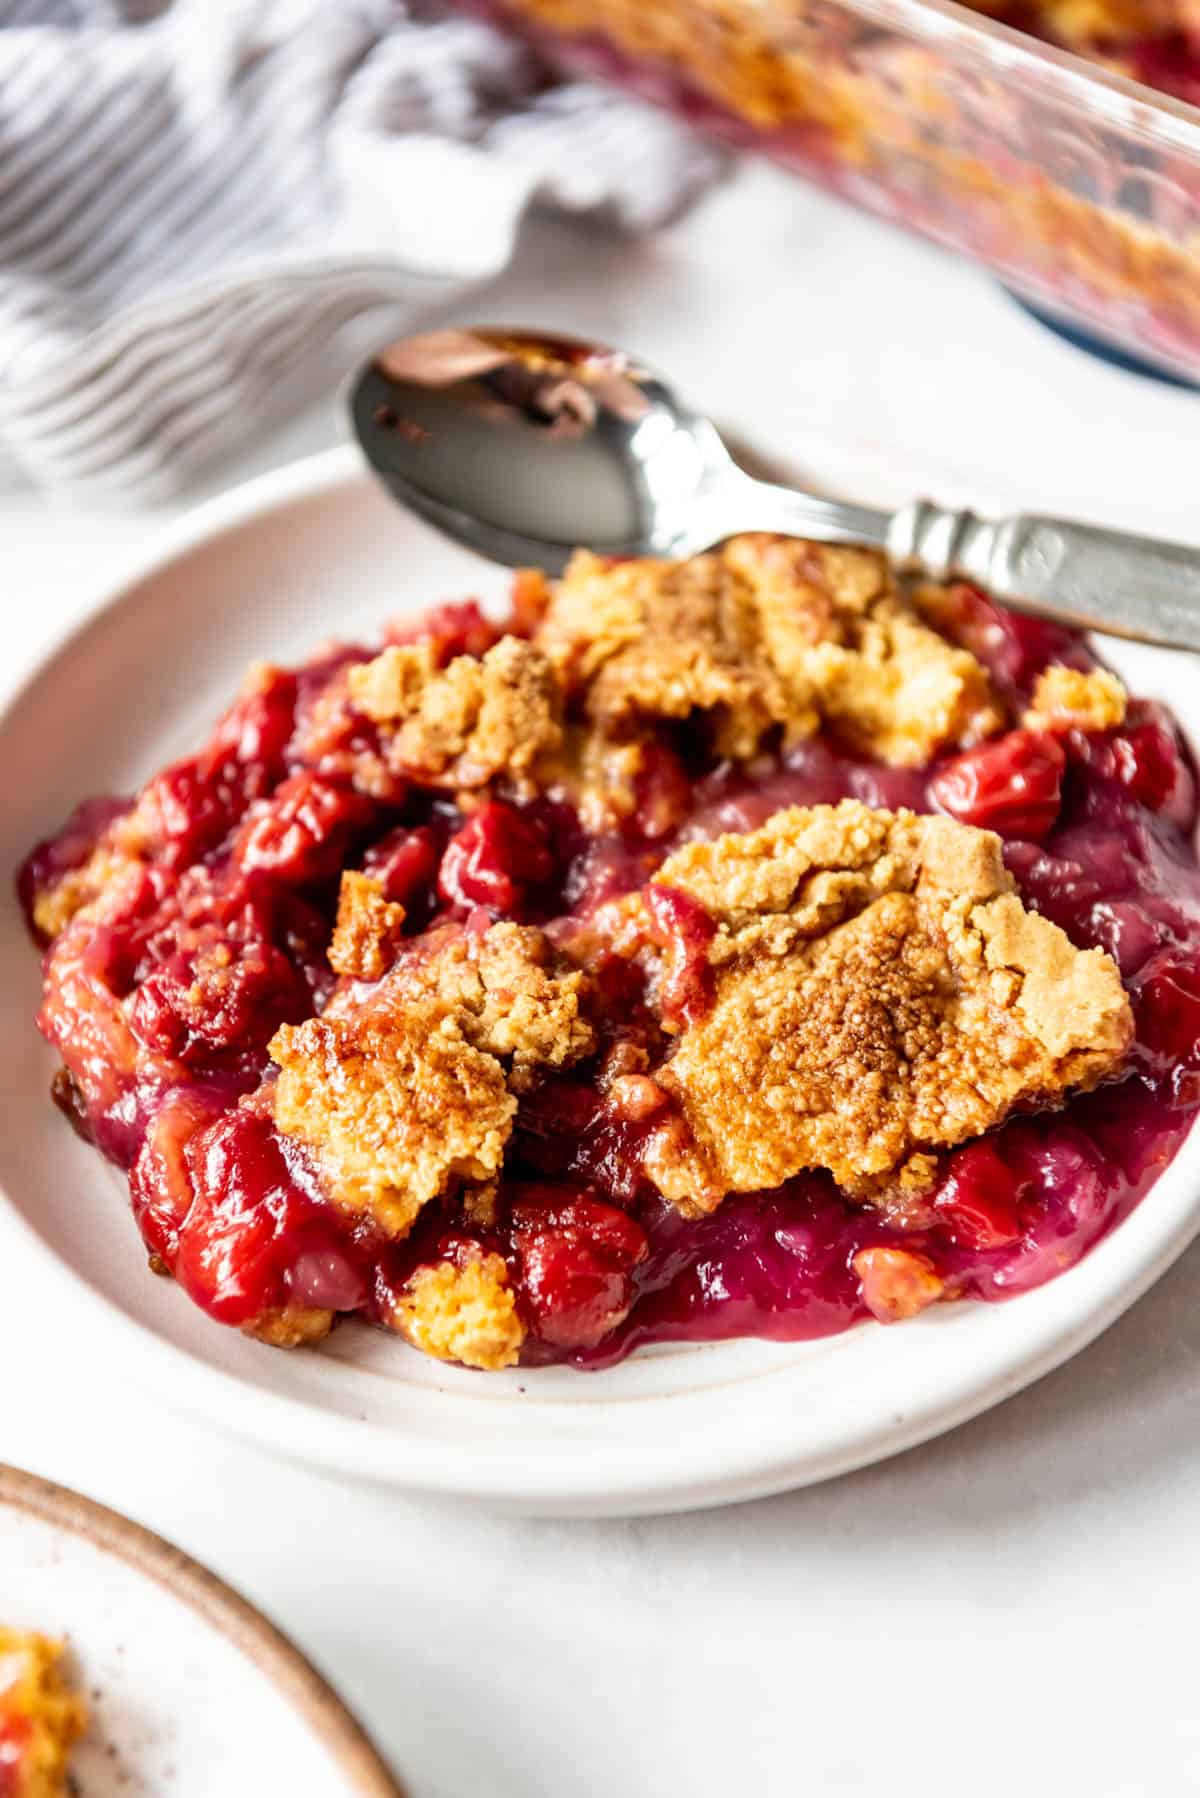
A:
[1078, 186]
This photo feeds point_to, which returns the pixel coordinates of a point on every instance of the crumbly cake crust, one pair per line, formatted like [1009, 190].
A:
[515, 997]
[406, 1096]
[369, 929]
[1069, 698]
[880, 992]
[462, 1312]
[464, 725]
[896, 1284]
[291, 1326]
[764, 634]
[54, 909]
[396, 1105]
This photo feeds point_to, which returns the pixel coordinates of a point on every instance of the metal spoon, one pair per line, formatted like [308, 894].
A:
[522, 445]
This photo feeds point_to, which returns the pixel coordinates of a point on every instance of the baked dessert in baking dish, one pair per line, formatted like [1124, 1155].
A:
[1084, 199]
[747, 945]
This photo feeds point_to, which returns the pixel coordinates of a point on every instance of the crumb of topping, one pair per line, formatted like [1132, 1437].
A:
[1067, 698]
[882, 678]
[530, 597]
[764, 633]
[291, 1326]
[481, 1204]
[396, 1104]
[896, 1284]
[39, 1712]
[389, 688]
[651, 639]
[806, 867]
[407, 1096]
[880, 992]
[369, 929]
[515, 997]
[635, 1097]
[624, 1057]
[464, 1313]
[467, 724]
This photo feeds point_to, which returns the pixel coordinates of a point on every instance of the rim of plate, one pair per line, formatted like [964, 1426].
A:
[220, 1608]
[1004, 1347]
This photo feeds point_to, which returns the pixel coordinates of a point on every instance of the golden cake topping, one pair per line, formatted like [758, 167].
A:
[896, 1284]
[1066, 697]
[879, 992]
[55, 906]
[396, 1104]
[369, 929]
[462, 1312]
[408, 1096]
[291, 1326]
[514, 996]
[468, 723]
[766, 632]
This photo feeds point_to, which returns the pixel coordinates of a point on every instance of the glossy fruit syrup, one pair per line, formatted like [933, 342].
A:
[163, 1014]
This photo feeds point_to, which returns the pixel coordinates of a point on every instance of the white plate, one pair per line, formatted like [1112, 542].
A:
[190, 1691]
[269, 571]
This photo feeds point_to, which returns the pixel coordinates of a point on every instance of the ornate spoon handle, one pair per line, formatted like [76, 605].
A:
[1106, 580]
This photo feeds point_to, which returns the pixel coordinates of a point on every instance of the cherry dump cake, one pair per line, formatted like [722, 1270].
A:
[735, 947]
[41, 1718]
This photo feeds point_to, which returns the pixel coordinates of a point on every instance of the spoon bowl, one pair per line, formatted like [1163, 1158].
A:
[524, 445]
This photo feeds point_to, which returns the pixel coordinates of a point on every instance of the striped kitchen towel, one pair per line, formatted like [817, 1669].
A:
[199, 200]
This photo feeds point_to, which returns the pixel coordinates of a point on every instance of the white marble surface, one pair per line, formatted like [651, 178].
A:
[1011, 1607]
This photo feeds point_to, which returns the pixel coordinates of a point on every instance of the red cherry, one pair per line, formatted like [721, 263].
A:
[1169, 61]
[405, 862]
[492, 860]
[194, 803]
[684, 929]
[194, 1005]
[1012, 786]
[235, 1240]
[979, 1198]
[662, 792]
[302, 832]
[575, 1256]
[257, 727]
[191, 806]
[1146, 758]
[1168, 1027]
[160, 1183]
[1012, 646]
[457, 628]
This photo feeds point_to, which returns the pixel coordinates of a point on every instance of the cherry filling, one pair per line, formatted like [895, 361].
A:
[217, 931]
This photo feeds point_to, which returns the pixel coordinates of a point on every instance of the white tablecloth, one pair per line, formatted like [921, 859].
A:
[1012, 1608]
